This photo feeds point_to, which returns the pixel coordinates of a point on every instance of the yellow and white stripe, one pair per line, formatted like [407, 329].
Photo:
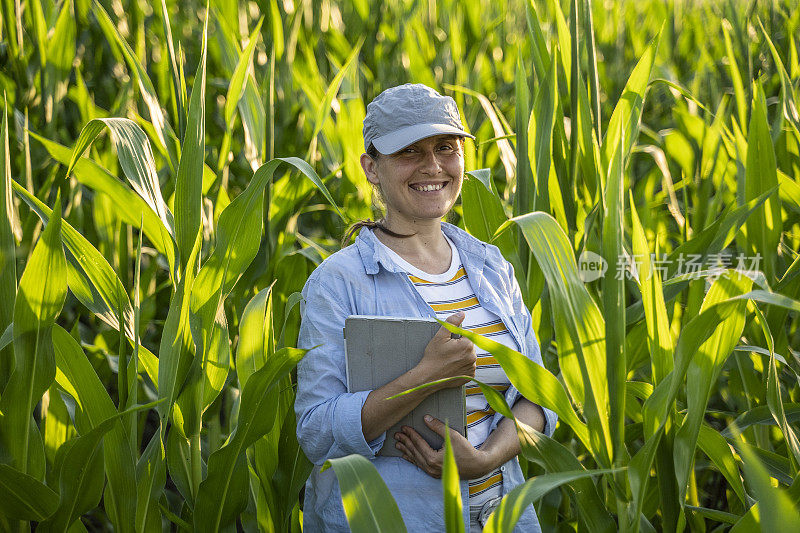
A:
[449, 293]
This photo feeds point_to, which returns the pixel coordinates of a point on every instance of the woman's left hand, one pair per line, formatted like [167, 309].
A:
[472, 463]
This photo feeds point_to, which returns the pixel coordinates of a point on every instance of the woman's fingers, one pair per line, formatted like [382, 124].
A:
[419, 452]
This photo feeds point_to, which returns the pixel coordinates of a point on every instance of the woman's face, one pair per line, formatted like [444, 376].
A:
[421, 181]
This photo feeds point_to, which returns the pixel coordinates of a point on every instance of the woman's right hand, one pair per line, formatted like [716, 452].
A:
[446, 357]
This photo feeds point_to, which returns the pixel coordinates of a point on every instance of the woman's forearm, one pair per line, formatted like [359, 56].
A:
[502, 444]
[379, 414]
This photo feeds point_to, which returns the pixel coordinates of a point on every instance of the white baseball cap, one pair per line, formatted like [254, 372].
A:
[403, 115]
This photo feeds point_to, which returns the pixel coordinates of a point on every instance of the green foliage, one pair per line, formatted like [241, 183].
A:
[676, 386]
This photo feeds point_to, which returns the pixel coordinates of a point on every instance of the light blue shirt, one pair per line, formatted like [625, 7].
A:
[362, 280]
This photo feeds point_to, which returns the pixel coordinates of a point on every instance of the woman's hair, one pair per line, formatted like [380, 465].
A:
[371, 224]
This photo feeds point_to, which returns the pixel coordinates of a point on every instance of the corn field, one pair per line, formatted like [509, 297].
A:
[172, 172]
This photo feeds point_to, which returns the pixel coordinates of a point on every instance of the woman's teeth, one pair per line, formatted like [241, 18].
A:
[427, 187]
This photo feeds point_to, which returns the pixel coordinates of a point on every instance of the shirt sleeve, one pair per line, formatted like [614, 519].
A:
[328, 417]
[533, 352]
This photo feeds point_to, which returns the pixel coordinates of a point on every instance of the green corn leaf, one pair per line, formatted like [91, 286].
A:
[540, 135]
[736, 76]
[323, 110]
[40, 297]
[764, 227]
[788, 95]
[237, 85]
[90, 278]
[277, 28]
[179, 463]
[704, 370]
[580, 327]
[368, 504]
[453, 516]
[718, 450]
[58, 427]
[178, 84]
[525, 191]
[555, 457]
[514, 503]
[774, 397]
[151, 475]
[257, 413]
[777, 511]
[251, 108]
[659, 338]
[627, 112]
[175, 351]
[79, 470]
[77, 377]
[189, 184]
[164, 134]
[8, 281]
[25, 497]
[130, 207]
[761, 415]
[533, 381]
[484, 214]
[614, 293]
[256, 336]
[293, 467]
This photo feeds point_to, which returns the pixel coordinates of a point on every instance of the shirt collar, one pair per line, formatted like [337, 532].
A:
[472, 250]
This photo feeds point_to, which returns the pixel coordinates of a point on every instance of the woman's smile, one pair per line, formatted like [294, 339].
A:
[428, 187]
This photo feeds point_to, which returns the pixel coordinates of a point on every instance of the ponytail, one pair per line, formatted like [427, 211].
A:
[373, 225]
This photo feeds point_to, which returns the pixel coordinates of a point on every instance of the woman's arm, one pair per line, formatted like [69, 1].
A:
[501, 445]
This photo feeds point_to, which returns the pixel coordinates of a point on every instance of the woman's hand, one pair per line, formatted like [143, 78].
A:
[471, 463]
[446, 357]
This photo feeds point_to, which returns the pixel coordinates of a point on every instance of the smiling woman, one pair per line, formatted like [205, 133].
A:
[411, 264]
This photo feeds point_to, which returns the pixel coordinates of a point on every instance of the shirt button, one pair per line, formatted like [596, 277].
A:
[502, 468]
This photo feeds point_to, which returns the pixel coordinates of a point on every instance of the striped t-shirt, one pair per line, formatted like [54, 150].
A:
[449, 293]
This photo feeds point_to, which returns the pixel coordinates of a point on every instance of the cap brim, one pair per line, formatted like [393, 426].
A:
[392, 142]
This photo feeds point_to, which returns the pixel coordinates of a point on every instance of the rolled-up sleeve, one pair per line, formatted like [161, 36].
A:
[328, 417]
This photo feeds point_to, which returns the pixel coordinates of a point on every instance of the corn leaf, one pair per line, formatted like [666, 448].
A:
[579, 325]
[25, 497]
[237, 86]
[77, 377]
[764, 227]
[453, 516]
[8, 281]
[533, 381]
[555, 457]
[80, 474]
[624, 124]
[614, 293]
[704, 370]
[514, 503]
[90, 278]
[777, 511]
[41, 295]
[132, 208]
[164, 134]
[257, 412]
[189, 184]
[368, 504]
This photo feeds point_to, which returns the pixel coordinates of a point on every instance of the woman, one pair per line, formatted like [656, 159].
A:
[412, 264]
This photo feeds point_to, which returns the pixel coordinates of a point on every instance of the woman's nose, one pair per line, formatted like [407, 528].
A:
[430, 163]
